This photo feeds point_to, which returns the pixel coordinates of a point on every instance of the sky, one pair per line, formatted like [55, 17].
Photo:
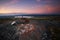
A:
[30, 6]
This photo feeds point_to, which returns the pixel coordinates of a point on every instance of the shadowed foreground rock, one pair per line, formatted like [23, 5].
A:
[41, 31]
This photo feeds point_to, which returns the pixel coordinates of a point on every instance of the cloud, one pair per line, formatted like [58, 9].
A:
[8, 2]
[53, 9]
[49, 2]
[46, 9]
[38, 0]
[14, 1]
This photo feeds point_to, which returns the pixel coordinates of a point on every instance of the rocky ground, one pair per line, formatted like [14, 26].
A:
[34, 30]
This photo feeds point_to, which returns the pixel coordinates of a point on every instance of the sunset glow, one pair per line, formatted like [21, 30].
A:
[29, 6]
